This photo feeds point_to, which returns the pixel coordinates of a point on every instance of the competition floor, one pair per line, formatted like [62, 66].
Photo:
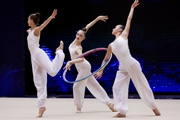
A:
[64, 109]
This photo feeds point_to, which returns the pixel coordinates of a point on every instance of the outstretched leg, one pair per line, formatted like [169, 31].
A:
[51, 67]
[98, 92]
[143, 87]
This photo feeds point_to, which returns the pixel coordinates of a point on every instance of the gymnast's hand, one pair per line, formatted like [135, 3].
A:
[98, 75]
[68, 66]
[135, 4]
[53, 15]
[103, 18]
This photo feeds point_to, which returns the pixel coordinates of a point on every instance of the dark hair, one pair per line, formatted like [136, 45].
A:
[84, 30]
[122, 27]
[35, 17]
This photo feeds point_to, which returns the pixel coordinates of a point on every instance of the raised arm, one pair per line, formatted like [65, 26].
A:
[125, 32]
[103, 18]
[45, 23]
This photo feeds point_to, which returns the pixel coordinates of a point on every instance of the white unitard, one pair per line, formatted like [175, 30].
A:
[41, 65]
[129, 68]
[84, 69]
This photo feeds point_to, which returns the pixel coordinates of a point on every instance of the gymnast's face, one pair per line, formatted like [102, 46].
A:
[117, 29]
[80, 35]
[30, 21]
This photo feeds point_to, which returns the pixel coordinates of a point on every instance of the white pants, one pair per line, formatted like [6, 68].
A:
[94, 87]
[41, 65]
[130, 68]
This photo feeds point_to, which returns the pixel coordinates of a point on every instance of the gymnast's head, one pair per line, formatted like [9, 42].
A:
[34, 19]
[81, 34]
[118, 30]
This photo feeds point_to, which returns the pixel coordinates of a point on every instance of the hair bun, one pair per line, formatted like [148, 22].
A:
[84, 29]
[38, 14]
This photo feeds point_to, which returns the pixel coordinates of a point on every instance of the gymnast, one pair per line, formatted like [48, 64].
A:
[41, 64]
[84, 69]
[128, 68]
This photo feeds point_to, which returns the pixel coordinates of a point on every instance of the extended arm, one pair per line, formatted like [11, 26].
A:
[125, 33]
[103, 18]
[108, 54]
[45, 23]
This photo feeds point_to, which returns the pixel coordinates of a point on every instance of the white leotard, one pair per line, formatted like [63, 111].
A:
[81, 65]
[120, 48]
[33, 41]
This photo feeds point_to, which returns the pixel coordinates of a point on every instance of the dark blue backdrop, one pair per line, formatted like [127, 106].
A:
[154, 39]
[154, 42]
[12, 48]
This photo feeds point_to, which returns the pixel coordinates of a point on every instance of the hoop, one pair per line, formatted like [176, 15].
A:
[83, 55]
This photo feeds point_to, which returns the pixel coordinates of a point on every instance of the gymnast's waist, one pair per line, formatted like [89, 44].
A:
[34, 50]
[124, 58]
[83, 65]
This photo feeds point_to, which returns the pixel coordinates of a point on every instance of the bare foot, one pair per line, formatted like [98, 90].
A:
[41, 111]
[119, 115]
[157, 113]
[111, 107]
[61, 46]
[78, 110]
